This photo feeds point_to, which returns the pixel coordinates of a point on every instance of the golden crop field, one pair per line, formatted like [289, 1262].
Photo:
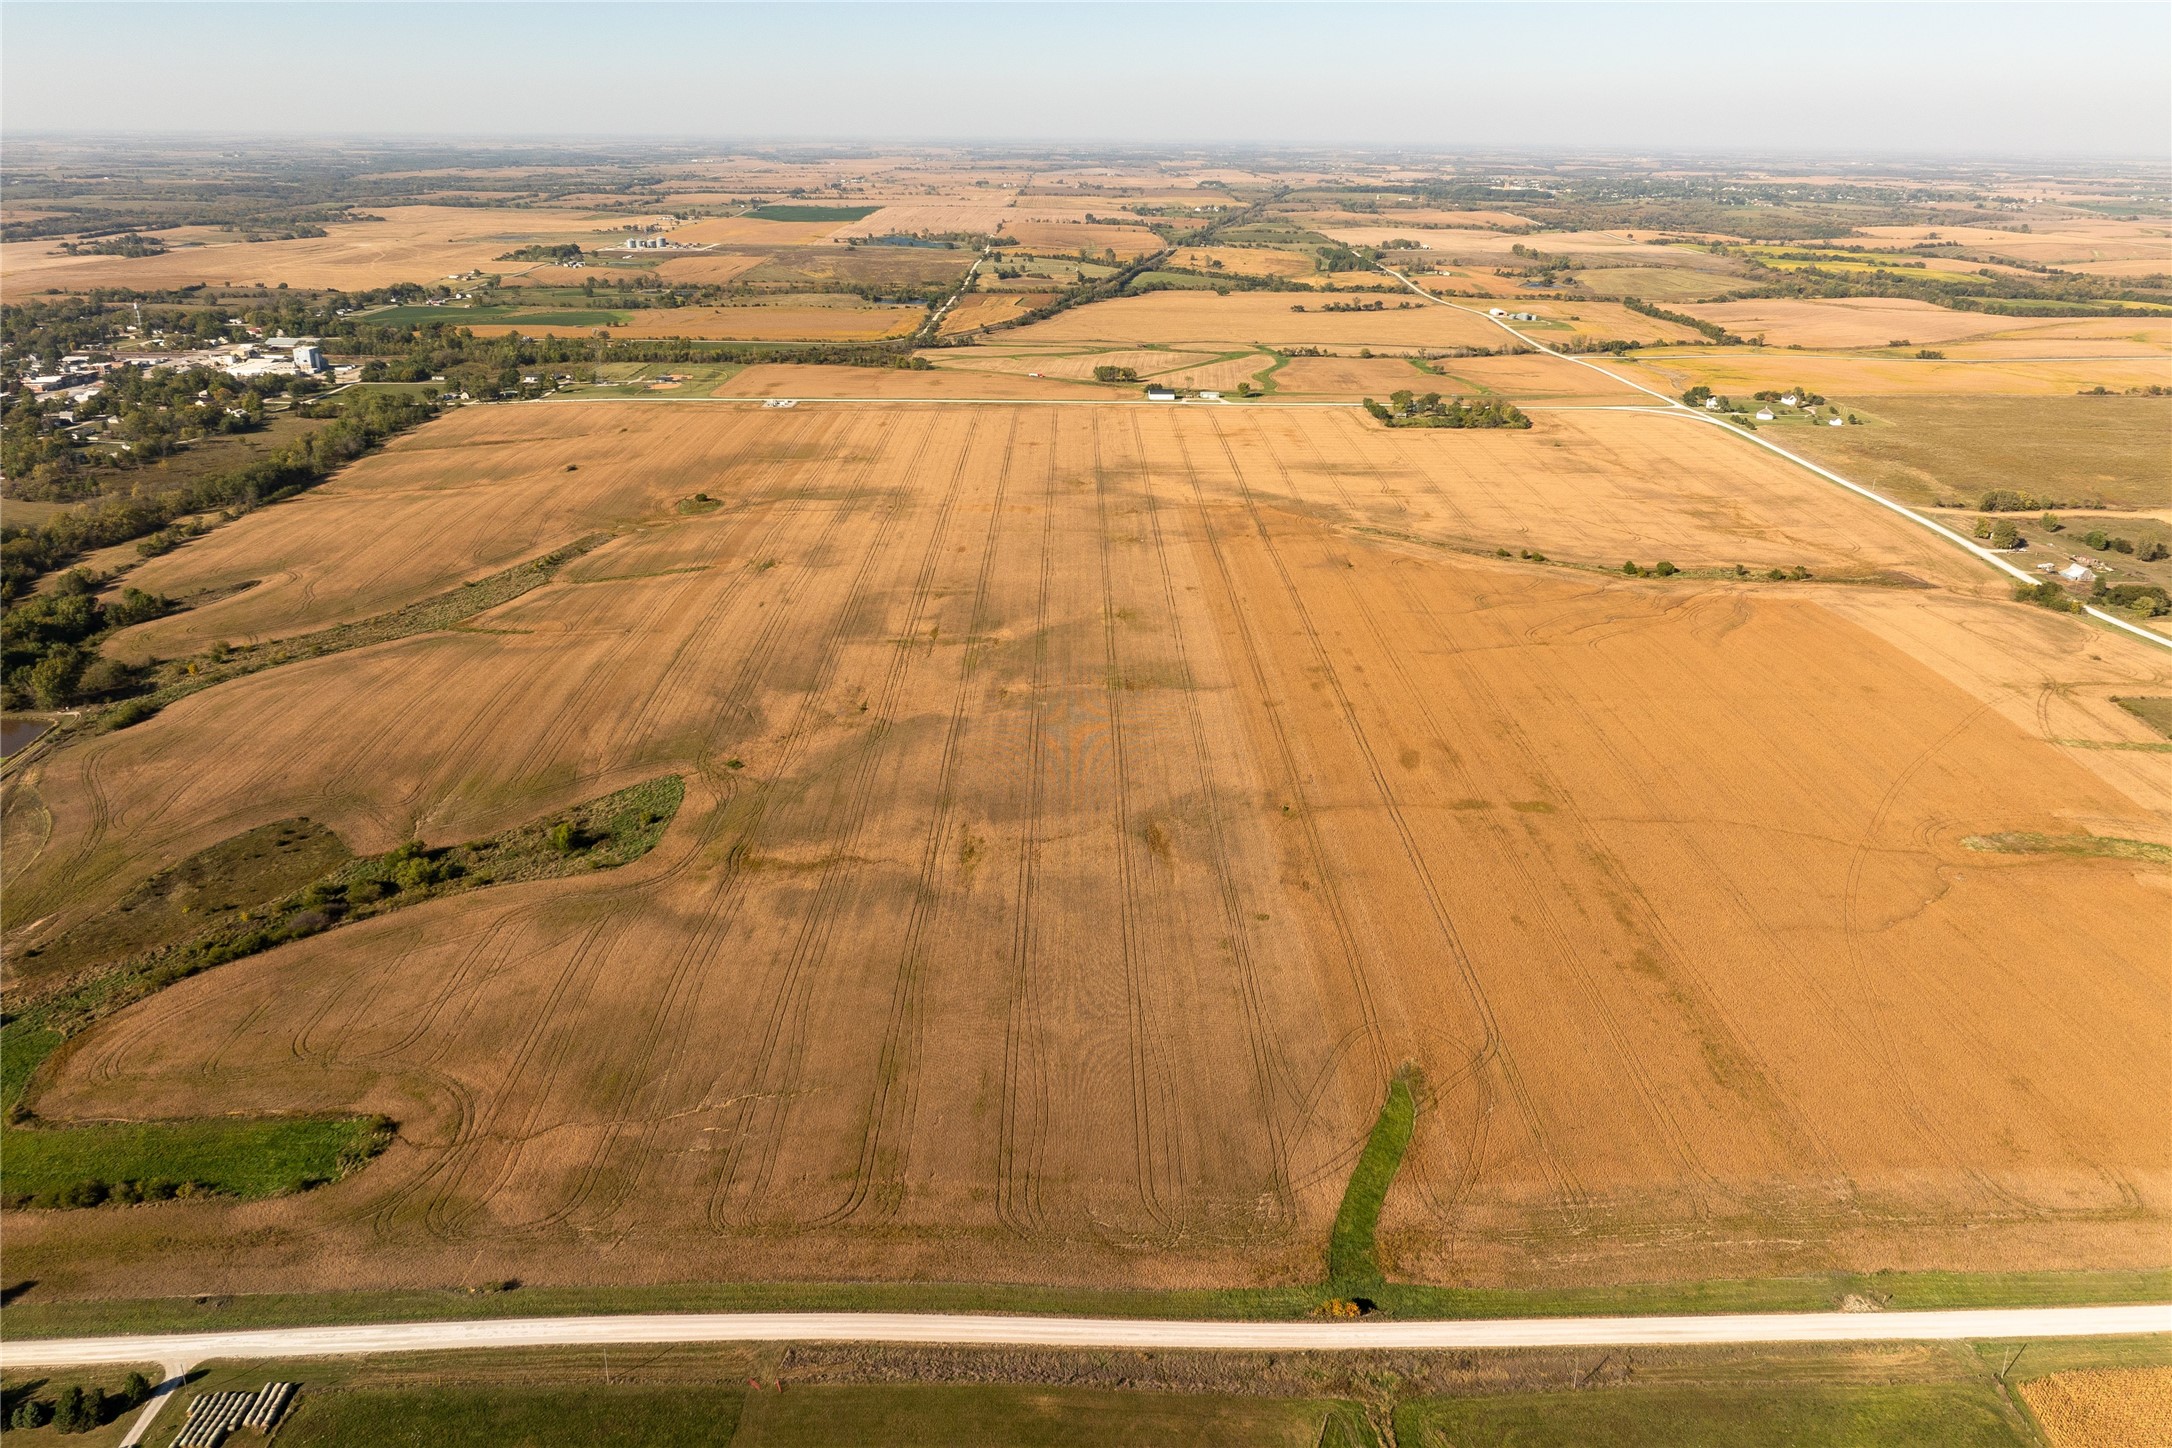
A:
[2108, 1408]
[1875, 321]
[1087, 809]
[788, 319]
[1746, 370]
[1259, 261]
[984, 309]
[1242, 318]
[409, 244]
[1422, 219]
[716, 266]
[938, 383]
[968, 214]
[1145, 361]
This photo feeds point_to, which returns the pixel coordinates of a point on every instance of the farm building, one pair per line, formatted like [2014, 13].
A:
[1160, 394]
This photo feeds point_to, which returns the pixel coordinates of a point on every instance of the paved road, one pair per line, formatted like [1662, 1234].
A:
[1089, 1332]
[1676, 408]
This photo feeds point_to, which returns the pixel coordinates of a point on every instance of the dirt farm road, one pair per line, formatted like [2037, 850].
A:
[178, 1352]
[956, 1330]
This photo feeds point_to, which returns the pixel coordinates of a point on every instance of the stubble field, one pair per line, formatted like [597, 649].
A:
[1242, 318]
[1087, 810]
[402, 244]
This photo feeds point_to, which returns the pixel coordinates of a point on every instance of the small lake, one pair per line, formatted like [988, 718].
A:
[17, 730]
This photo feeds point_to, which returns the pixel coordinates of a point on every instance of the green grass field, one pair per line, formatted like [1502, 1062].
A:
[1187, 281]
[1661, 283]
[783, 212]
[1949, 1415]
[511, 1417]
[241, 1158]
[1900, 1291]
[2155, 712]
[885, 1416]
[297, 880]
[770, 1395]
[2108, 450]
[891, 1397]
[47, 1385]
[1352, 1264]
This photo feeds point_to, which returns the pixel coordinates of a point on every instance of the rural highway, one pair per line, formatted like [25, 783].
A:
[1675, 406]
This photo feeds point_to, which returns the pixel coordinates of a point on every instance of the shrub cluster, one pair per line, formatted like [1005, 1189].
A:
[1407, 409]
[77, 1409]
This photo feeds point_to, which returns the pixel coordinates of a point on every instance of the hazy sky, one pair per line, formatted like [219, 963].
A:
[1969, 79]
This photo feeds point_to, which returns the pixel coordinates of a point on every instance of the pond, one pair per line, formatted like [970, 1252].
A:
[17, 730]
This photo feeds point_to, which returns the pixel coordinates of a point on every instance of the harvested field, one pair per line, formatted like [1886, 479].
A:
[1224, 375]
[1087, 809]
[1245, 318]
[711, 267]
[2113, 1408]
[1607, 321]
[2058, 242]
[984, 309]
[1741, 370]
[1664, 284]
[1079, 366]
[1535, 377]
[1422, 220]
[752, 231]
[411, 244]
[1249, 261]
[787, 321]
[1856, 321]
[889, 382]
[919, 216]
[1353, 376]
[1064, 238]
[877, 265]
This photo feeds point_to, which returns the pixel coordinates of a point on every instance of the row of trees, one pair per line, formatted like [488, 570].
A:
[27, 552]
[76, 1409]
